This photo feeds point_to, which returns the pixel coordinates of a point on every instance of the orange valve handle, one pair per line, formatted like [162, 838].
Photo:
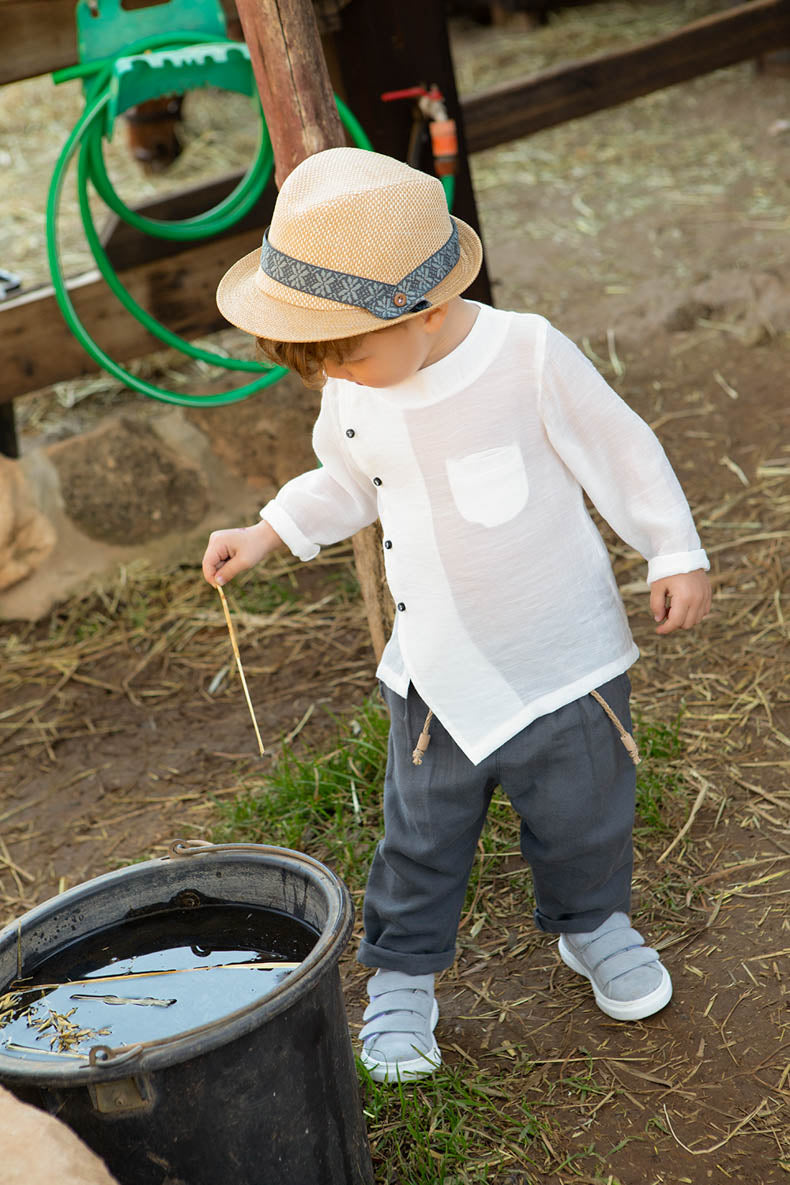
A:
[444, 144]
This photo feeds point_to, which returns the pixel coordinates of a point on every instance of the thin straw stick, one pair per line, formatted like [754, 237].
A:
[237, 656]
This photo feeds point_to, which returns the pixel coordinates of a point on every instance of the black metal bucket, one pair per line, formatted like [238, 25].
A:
[266, 1095]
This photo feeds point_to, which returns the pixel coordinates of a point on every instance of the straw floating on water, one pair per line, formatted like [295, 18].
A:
[237, 656]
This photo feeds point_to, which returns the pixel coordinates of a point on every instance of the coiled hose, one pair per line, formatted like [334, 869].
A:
[86, 139]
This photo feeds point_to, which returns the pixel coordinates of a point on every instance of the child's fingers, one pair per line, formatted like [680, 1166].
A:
[218, 558]
[225, 572]
[658, 594]
[682, 613]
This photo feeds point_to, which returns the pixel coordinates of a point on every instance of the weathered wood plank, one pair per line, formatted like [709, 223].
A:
[38, 348]
[42, 36]
[296, 94]
[385, 45]
[512, 110]
[292, 79]
[127, 247]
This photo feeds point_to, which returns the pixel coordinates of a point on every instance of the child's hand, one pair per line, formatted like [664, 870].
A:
[680, 602]
[236, 550]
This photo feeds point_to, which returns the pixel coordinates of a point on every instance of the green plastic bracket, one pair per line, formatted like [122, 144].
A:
[105, 28]
[174, 71]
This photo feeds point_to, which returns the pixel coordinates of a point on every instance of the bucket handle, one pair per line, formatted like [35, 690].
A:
[99, 1055]
[188, 847]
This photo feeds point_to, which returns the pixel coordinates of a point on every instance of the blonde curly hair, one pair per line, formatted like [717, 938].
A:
[307, 358]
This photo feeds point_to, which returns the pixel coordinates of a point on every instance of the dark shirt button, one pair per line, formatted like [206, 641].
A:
[401, 606]
[350, 432]
[377, 481]
[388, 544]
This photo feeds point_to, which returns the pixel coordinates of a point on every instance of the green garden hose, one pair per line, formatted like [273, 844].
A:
[86, 140]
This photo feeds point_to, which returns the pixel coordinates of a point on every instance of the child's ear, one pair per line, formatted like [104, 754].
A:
[433, 319]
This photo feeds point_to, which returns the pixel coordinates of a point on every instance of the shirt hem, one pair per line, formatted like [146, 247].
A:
[397, 682]
[479, 750]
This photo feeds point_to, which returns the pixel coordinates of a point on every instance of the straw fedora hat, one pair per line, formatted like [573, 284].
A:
[358, 241]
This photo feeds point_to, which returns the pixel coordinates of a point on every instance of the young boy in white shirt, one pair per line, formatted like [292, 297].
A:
[472, 434]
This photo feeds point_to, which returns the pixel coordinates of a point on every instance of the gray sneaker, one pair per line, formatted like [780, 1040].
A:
[628, 978]
[398, 1044]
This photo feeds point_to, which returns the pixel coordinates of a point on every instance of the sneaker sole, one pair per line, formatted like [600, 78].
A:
[621, 1009]
[405, 1071]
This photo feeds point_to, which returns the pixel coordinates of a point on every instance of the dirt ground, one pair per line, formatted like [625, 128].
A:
[656, 235]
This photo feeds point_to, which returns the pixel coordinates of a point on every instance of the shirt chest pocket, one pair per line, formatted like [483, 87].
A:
[489, 487]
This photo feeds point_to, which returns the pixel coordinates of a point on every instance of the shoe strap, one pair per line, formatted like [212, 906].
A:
[418, 1003]
[611, 942]
[623, 962]
[393, 981]
[398, 1022]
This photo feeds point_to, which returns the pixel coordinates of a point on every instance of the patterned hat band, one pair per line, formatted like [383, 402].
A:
[385, 301]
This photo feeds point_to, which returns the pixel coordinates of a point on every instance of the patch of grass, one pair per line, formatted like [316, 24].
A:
[346, 582]
[583, 1082]
[328, 803]
[659, 779]
[263, 593]
[461, 1126]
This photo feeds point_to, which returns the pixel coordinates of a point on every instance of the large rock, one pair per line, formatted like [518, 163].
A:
[122, 484]
[37, 1149]
[26, 535]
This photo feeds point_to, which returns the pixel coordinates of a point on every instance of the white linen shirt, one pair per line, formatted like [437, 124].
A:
[507, 607]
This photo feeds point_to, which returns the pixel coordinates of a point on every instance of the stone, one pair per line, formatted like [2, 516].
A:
[122, 484]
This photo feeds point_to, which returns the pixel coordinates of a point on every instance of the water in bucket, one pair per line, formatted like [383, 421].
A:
[150, 978]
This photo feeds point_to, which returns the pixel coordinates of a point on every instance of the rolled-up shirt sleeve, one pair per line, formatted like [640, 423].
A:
[326, 504]
[618, 461]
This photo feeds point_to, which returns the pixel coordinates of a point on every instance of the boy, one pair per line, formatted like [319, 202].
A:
[471, 433]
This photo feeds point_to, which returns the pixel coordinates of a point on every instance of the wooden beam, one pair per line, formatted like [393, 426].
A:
[179, 291]
[388, 45]
[128, 247]
[9, 444]
[296, 94]
[39, 35]
[292, 79]
[512, 110]
[42, 36]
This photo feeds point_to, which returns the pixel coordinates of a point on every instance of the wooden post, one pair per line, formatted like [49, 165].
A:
[388, 45]
[293, 82]
[9, 445]
[299, 106]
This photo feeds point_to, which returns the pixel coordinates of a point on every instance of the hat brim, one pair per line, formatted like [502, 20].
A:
[277, 317]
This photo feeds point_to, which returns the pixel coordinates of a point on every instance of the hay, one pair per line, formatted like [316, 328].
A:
[156, 640]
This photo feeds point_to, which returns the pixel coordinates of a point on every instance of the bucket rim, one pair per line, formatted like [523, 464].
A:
[164, 1052]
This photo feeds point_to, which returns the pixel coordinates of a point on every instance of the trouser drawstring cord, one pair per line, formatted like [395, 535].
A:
[625, 737]
[424, 739]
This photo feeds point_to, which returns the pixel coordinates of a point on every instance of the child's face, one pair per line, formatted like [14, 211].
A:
[390, 356]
